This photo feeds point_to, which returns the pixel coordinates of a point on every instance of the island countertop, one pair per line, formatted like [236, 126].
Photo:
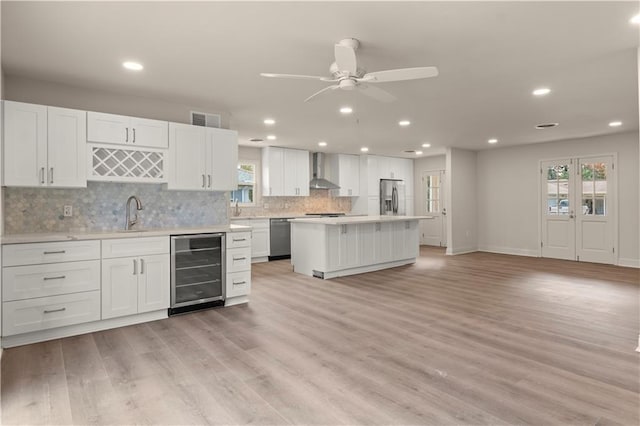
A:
[349, 220]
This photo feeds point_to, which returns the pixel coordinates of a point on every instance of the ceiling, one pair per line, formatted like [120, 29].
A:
[490, 55]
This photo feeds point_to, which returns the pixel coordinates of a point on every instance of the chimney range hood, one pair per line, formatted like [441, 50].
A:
[318, 181]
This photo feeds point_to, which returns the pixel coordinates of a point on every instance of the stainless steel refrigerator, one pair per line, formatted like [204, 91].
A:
[392, 197]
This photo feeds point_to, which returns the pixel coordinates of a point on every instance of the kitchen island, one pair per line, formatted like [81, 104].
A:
[338, 246]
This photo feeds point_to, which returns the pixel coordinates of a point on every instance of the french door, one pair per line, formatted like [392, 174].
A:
[433, 231]
[578, 209]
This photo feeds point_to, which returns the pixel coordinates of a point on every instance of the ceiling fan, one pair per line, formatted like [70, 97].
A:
[346, 74]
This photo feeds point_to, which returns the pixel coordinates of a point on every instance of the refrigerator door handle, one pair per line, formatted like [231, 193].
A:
[394, 200]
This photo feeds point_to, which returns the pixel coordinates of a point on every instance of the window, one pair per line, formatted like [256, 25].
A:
[432, 193]
[245, 194]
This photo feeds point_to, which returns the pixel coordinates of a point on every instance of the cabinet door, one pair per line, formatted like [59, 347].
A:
[349, 173]
[153, 283]
[259, 243]
[108, 128]
[25, 144]
[67, 147]
[147, 132]
[120, 287]
[290, 172]
[343, 246]
[302, 172]
[223, 172]
[272, 171]
[187, 157]
[385, 237]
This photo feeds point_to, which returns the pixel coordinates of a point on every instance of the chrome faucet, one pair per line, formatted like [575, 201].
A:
[236, 212]
[131, 222]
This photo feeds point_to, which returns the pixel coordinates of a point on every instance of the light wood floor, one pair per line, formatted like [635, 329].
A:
[471, 339]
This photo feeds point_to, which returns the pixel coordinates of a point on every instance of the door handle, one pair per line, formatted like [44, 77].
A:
[42, 175]
[126, 138]
[134, 135]
[204, 181]
[141, 266]
[51, 179]
[209, 177]
[135, 267]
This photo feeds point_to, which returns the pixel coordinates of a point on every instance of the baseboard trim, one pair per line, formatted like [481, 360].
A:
[630, 263]
[464, 250]
[74, 330]
[509, 250]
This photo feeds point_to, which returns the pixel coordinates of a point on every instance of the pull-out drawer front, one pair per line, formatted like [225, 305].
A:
[238, 239]
[238, 283]
[25, 282]
[38, 253]
[238, 259]
[135, 246]
[24, 316]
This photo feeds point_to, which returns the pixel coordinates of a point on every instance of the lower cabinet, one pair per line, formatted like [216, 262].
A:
[238, 279]
[260, 242]
[132, 285]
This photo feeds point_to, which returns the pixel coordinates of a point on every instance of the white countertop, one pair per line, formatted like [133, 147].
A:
[348, 220]
[103, 235]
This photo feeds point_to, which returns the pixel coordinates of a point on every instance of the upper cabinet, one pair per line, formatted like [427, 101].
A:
[44, 146]
[285, 172]
[123, 130]
[202, 158]
[345, 172]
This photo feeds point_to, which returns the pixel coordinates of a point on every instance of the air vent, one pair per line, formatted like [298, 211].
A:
[205, 120]
[410, 151]
[256, 140]
[546, 125]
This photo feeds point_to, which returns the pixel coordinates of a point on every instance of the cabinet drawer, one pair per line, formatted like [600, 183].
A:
[136, 246]
[238, 259]
[23, 316]
[238, 283]
[25, 282]
[238, 239]
[38, 253]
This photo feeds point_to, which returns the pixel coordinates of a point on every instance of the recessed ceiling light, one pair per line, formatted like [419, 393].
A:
[615, 124]
[256, 140]
[133, 66]
[426, 145]
[546, 125]
[269, 121]
[635, 19]
[492, 141]
[346, 110]
[271, 137]
[418, 152]
[322, 143]
[542, 91]
[364, 149]
[404, 123]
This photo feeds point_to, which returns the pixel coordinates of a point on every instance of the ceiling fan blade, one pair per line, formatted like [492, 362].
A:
[299, 77]
[400, 74]
[346, 59]
[334, 87]
[376, 93]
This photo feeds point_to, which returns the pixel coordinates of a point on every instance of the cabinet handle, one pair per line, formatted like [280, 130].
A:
[239, 239]
[239, 258]
[239, 282]
[51, 179]
[134, 134]
[54, 252]
[126, 139]
[142, 266]
[55, 310]
[343, 229]
[61, 277]
[135, 267]
[42, 175]
[204, 181]
[209, 176]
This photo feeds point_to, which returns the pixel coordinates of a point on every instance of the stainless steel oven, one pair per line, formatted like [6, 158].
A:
[197, 272]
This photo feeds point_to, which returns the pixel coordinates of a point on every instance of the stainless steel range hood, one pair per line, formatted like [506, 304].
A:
[318, 181]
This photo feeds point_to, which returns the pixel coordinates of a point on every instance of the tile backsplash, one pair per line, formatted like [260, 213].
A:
[318, 201]
[101, 206]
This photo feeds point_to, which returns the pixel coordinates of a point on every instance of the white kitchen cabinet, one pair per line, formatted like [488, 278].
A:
[345, 172]
[343, 244]
[133, 284]
[260, 242]
[238, 268]
[44, 146]
[202, 159]
[285, 172]
[124, 130]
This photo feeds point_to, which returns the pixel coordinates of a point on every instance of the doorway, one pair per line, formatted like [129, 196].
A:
[433, 231]
[578, 214]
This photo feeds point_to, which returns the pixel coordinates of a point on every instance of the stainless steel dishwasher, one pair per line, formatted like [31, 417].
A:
[280, 238]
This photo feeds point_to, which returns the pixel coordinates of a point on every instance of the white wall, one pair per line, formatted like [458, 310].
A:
[47, 93]
[461, 201]
[508, 192]
[421, 165]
